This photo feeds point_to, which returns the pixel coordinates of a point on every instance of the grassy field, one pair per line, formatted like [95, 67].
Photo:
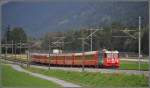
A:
[22, 56]
[134, 65]
[96, 80]
[17, 57]
[12, 78]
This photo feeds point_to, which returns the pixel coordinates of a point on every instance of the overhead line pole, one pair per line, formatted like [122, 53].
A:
[91, 36]
[49, 61]
[91, 41]
[6, 51]
[139, 47]
[20, 51]
[15, 51]
[83, 53]
[83, 57]
[28, 56]
[139, 39]
[12, 51]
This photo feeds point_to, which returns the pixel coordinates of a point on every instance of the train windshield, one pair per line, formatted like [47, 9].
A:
[112, 55]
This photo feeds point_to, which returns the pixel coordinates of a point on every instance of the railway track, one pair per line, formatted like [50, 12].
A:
[101, 70]
[135, 60]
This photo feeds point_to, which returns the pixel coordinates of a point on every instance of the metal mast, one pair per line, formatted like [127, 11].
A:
[93, 31]
[139, 47]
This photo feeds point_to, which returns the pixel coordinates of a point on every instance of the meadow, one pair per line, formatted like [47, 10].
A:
[13, 78]
[97, 79]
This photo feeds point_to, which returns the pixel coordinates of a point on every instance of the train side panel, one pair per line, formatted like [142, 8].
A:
[71, 59]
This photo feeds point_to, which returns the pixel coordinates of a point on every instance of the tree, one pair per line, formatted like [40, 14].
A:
[145, 41]
[6, 37]
[102, 39]
[17, 34]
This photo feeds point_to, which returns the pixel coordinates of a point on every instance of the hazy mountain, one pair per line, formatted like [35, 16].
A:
[39, 18]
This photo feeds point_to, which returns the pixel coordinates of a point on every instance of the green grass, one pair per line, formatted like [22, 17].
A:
[133, 65]
[96, 80]
[12, 78]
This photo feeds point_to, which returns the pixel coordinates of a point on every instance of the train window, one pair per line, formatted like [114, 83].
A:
[110, 55]
[115, 55]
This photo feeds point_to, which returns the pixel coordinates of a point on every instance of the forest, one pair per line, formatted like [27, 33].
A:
[111, 37]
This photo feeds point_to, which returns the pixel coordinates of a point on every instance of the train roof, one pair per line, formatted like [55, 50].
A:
[75, 54]
[67, 54]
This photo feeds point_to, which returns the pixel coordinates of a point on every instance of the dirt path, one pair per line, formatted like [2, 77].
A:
[58, 81]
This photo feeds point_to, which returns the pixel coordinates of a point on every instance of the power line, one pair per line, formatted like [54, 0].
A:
[93, 31]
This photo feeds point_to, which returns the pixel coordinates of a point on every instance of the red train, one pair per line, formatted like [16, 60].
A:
[92, 58]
